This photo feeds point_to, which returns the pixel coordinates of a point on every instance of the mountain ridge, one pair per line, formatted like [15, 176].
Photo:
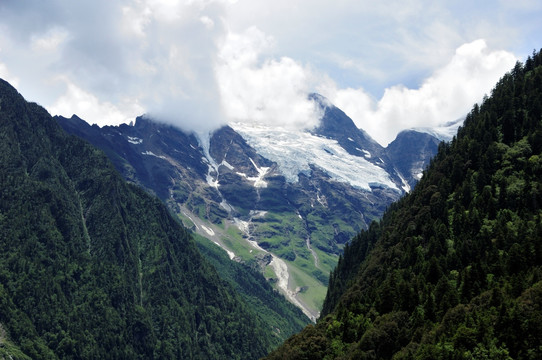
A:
[263, 193]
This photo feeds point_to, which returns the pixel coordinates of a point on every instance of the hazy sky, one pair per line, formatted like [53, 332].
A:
[389, 65]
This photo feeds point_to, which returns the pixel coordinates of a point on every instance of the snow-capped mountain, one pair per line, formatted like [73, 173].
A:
[279, 200]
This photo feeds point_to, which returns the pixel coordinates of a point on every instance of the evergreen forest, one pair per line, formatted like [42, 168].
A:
[92, 267]
[454, 269]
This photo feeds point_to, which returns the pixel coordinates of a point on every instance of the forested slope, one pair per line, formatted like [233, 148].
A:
[454, 269]
[177, 183]
[94, 268]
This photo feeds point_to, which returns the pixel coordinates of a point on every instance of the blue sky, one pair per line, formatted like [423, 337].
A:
[389, 65]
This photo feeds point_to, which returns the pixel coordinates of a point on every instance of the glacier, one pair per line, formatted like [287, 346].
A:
[296, 151]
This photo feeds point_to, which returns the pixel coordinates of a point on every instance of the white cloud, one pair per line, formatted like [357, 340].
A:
[208, 22]
[200, 63]
[5, 74]
[271, 92]
[159, 54]
[87, 106]
[445, 96]
[50, 41]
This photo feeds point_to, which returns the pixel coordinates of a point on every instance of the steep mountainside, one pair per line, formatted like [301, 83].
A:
[454, 269]
[95, 268]
[281, 201]
[411, 151]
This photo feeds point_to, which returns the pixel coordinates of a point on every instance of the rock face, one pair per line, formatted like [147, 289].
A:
[411, 151]
[297, 196]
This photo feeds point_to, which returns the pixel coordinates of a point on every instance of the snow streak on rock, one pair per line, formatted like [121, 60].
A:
[150, 153]
[405, 186]
[258, 181]
[134, 140]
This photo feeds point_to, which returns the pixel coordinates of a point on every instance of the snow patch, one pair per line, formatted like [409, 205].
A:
[242, 225]
[257, 213]
[193, 222]
[321, 200]
[208, 230]
[212, 182]
[231, 254]
[205, 141]
[258, 180]
[226, 164]
[405, 186]
[226, 206]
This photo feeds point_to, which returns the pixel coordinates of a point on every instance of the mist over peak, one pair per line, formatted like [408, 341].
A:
[201, 64]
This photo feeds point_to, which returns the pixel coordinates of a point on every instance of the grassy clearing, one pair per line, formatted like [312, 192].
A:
[187, 223]
[284, 234]
[312, 291]
[327, 262]
[233, 240]
[269, 273]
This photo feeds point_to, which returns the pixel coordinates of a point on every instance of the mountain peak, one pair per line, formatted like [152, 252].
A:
[10, 99]
[334, 121]
[335, 124]
[407, 143]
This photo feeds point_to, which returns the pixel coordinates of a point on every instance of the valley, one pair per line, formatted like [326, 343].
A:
[282, 202]
[272, 180]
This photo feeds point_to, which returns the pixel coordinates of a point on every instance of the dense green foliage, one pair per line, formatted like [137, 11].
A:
[454, 269]
[94, 268]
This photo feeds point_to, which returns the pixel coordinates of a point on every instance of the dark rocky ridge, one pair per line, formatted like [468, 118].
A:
[410, 152]
[306, 222]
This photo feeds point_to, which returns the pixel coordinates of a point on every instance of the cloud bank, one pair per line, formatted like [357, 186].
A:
[109, 60]
[445, 96]
[200, 64]
[269, 91]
